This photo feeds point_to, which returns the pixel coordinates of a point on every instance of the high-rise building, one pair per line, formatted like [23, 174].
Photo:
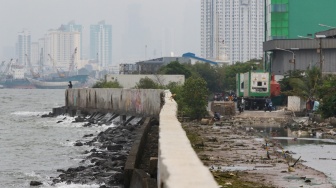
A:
[63, 47]
[288, 19]
[212, 36]
[73, 27]
[101, 44]
[232, 30]
[23, 46]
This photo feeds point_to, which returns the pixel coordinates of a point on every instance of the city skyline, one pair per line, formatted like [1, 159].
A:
[140, 29]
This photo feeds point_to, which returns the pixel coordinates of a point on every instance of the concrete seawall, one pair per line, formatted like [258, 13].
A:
[136, 102]
[178, 164]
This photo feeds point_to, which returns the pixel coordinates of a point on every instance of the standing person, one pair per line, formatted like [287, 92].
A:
[316, 105]
[70, 85]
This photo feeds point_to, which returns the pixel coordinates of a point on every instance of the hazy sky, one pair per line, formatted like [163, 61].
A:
[164, 26]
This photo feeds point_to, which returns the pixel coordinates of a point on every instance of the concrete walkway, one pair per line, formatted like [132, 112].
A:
[179, 166]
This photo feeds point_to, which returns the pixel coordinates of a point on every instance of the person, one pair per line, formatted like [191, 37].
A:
[216, 116]
[316, 106]
[70, 85]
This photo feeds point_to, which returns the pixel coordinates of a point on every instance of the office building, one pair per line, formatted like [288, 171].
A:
[101, 44]
[232, 30]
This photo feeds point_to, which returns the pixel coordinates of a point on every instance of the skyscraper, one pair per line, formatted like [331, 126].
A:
[212, 36]
[232, 30]
[101, 44]
[73, 27]
[61, 46]
[23, 46]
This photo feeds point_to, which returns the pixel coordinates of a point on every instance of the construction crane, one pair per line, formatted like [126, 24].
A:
[33, 73]
[72, 63]
[5, 72]
[60, 72]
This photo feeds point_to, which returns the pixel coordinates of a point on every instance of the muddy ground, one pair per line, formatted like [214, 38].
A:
[238, 157]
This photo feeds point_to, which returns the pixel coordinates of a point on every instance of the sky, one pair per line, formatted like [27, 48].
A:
[141, 29]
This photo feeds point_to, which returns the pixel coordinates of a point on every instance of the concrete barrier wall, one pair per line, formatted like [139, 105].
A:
[137, 102]
[296, 104]
[179, 165]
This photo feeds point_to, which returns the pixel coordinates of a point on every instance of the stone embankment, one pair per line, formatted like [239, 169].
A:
[119, 156]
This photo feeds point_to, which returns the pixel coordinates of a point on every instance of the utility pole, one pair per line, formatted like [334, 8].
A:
[321, 55]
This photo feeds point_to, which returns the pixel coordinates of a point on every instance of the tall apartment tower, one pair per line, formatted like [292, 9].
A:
[101, 44]
[73, 27]
[63, 47]
[212, 36]
[240, 33]
[23, 46]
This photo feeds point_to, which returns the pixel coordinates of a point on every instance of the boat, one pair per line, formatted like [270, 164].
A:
[16, 83]
[13, 77]
[59, 83]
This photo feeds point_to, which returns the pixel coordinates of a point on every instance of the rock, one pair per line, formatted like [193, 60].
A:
[79, 144]
[35, 183]
[114, 147]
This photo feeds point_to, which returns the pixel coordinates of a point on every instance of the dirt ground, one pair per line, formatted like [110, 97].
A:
[239, 158]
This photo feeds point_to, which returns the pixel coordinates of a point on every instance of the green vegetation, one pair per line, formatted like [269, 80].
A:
[104, 84]
[194, 96]
[147, 83]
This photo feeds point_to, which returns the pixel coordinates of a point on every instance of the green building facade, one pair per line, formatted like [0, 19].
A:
[288, 19]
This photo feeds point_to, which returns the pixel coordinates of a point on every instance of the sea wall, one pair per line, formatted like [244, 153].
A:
[179, 165]
[135, 102]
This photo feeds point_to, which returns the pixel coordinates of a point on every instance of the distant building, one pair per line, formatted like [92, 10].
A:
[23, 46]
[130, 81]
[289, 19]
[232, 30]
[73, 27]
[151, 66]
[63, 47]
[301, 54]
[101, 44]
[34, 55]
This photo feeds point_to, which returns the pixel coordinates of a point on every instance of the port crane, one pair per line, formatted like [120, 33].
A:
[60, 72]
[33, 73]
[72, 63]
[3, 74]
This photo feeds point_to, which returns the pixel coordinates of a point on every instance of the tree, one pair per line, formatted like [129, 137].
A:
[105, 84]
[327, 95]
[227, 73]
[194, 94]
[209, 74]
[147, 83]
[175, 68]
[304, 85]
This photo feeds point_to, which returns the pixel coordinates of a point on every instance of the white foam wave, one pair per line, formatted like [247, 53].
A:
[28, 113]
[33, 175]
[64, 185]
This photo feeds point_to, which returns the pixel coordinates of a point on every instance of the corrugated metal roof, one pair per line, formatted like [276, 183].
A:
[327, 43]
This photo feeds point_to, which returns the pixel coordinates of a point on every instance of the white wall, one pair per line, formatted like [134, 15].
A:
[296, 104]
[130, 80]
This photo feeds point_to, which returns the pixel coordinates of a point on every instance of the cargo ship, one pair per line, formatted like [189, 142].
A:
[59, 83]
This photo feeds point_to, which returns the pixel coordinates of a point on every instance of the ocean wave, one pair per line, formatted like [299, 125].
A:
[28, 113]
[64, 185]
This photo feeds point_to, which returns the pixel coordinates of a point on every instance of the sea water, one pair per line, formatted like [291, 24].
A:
[33, 148]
